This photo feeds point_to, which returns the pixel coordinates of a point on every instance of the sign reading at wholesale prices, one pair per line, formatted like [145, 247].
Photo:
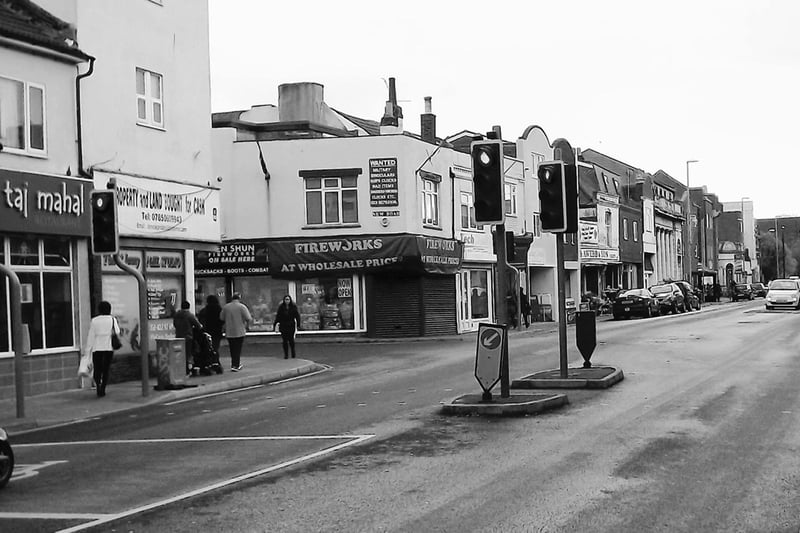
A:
[303, 258]
[383, 186]
[162, 209]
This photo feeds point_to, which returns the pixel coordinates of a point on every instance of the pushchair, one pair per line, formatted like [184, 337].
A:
[207, 358]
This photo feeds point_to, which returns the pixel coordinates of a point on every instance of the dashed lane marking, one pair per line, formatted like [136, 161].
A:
[97, 520]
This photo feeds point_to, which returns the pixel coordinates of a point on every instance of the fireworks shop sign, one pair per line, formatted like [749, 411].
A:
[232, 259]
[360, 254]
[38, 203]
[164, 209]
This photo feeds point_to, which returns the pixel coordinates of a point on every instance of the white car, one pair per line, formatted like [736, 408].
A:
[783, 294]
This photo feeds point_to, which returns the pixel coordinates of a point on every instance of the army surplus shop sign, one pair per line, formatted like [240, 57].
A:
[364, 254]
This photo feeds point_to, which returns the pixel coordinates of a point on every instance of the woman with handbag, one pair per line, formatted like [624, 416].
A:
[102, 340]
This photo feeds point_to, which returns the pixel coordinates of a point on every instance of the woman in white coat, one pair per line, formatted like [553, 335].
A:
[98, 344]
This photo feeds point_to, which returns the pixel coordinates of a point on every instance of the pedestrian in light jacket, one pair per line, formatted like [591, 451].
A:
[236, 317]
[287, 321]
[98, 344]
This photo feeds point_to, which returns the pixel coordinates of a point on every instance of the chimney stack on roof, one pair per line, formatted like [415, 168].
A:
[392, 121]
[428, 123]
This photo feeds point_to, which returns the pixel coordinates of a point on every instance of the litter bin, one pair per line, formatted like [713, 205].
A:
[171, 363]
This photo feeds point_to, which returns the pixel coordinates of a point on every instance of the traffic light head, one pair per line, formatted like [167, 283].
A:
[558, 195]
[105, 238]
[487, 178]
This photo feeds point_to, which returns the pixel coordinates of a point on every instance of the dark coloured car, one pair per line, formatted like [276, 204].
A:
[6, 459]
[635, 302]
[741, 291]
[690, 295]
[670, 298]
[758, 289]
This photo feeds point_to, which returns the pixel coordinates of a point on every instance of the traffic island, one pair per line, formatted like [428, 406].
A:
[514, 405]
[595, 377]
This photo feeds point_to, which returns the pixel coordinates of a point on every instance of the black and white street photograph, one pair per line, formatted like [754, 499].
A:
[361, 266]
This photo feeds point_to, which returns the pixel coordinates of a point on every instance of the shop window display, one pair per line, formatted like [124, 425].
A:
[262, 295]
[325, 303]
[45, 274]
[205, 287]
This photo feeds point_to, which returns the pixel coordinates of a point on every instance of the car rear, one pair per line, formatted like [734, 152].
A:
[634, 302]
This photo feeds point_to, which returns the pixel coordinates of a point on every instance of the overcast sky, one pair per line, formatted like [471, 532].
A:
[651, 84]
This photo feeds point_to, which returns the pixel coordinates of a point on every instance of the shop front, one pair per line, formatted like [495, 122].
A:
[396, 285]
[475, 282]
[44, 227]
[161, 225]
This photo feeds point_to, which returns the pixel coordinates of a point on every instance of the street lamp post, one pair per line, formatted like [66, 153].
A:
[783, 248]
[689, 256]
[744, 232]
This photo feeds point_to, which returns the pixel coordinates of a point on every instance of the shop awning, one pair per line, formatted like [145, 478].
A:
[412, 254]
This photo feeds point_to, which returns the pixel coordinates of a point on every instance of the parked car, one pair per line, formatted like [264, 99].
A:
[741, 291]
[6, 459]
[635, 302]
[758, 289]
[690, 295]
[670, 298]
[783, 293]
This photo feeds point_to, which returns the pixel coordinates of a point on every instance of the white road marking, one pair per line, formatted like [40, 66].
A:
[188, 439]
[54, 516]
[24, 471]
[104, 519]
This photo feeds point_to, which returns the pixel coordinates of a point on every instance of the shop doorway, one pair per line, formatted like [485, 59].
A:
[475, 297]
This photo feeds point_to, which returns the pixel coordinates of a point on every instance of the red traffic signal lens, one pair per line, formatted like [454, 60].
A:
[485, 157]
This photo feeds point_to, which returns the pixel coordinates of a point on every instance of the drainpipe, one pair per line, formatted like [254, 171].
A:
[81, 171]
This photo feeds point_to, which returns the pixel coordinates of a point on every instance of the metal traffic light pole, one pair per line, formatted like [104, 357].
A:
[562, 151]
[108, 244]
[501, 285]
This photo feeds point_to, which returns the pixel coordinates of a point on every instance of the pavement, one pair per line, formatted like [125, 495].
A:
[47, 410]
[52, 409]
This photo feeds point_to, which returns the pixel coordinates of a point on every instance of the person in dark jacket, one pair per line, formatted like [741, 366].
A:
[185, 325]
[287, 321]
[209, 317]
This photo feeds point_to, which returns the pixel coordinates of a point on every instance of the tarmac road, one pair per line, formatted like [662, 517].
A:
[699, 389]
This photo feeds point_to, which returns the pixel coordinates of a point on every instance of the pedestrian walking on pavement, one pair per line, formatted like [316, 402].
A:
[188, 327]
[525, 307]
[209, 316]
[287, 321]
[98, 344]
[236, 317]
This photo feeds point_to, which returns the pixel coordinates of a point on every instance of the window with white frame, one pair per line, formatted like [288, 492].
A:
[430, 199]
[468, 212]
[510, 197]
[22, 117]
[331, 199]
[149, 98]
[625, 228]
[635, 231]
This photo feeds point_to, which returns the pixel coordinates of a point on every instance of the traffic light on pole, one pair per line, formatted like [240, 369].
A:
[552, 196]
[105, 237]
[487, 177]
[558, 195]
